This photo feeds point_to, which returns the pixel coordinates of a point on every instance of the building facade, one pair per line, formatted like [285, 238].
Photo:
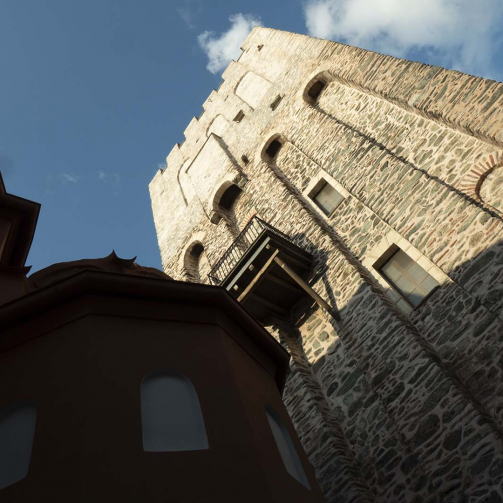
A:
[103, 397]
[352, 202]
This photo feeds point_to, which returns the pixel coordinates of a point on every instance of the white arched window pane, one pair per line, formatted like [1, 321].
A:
[286, 448]
[17, 429]
[171, 415]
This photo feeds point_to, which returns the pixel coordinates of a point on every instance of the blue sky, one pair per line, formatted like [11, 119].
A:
[94, 93]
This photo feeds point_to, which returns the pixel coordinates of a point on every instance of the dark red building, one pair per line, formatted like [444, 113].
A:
[120, 384]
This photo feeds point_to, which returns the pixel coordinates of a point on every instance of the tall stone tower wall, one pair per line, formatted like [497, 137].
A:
[393, 403]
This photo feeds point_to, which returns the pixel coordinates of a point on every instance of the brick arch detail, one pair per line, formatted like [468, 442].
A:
[473, 180]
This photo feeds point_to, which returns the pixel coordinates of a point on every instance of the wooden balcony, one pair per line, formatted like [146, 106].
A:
[265, 271]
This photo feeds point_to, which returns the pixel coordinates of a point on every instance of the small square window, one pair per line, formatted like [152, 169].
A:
[240, 116]
[326, 197]
[408, 277]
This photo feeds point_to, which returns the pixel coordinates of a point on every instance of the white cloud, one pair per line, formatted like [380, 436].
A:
[102, 175]
[70, 177]
[221, 50]
[462, 34]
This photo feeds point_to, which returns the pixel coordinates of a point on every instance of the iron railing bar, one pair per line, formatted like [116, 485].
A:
[244, 240]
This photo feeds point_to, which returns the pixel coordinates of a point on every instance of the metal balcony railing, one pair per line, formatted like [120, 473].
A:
[253, 230]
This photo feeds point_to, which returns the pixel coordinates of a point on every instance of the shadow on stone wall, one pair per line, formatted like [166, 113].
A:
[415, 431]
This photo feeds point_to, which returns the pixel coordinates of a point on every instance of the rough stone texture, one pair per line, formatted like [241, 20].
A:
[392, 404]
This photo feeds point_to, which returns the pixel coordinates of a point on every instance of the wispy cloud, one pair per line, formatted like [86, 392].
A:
[189, 12]
[186, 14]
[463, 34]
[56, 181]
[70, 178]
[222, 49]
[111, 179]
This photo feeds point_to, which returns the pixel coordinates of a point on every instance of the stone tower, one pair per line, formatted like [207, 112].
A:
[352, 203]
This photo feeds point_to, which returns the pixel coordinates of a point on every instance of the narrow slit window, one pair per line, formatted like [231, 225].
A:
[286, 448]
[172, 419]
[17, 431]
[326, 197]
[276, 102]
[240, 116]
[408, 277]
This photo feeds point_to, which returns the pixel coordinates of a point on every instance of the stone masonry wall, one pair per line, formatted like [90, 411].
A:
[392, 404]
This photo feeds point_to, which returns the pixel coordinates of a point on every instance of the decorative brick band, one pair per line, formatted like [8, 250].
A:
[473, 180]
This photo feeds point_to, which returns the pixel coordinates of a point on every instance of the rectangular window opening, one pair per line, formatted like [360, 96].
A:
[406, 276]
[239, 117]
[326, 197]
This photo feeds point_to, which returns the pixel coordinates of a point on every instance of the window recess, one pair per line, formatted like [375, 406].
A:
[326, 197]
[276, 103]
[406, 276]
[239, 116]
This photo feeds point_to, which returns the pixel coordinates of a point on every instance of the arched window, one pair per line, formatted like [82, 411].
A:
[285, 447]
[315, 87]
[229, 197]
[315, 90]
[171, 415]
[223, 205]
[272, 148]
[17, 430]
[192, 261]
